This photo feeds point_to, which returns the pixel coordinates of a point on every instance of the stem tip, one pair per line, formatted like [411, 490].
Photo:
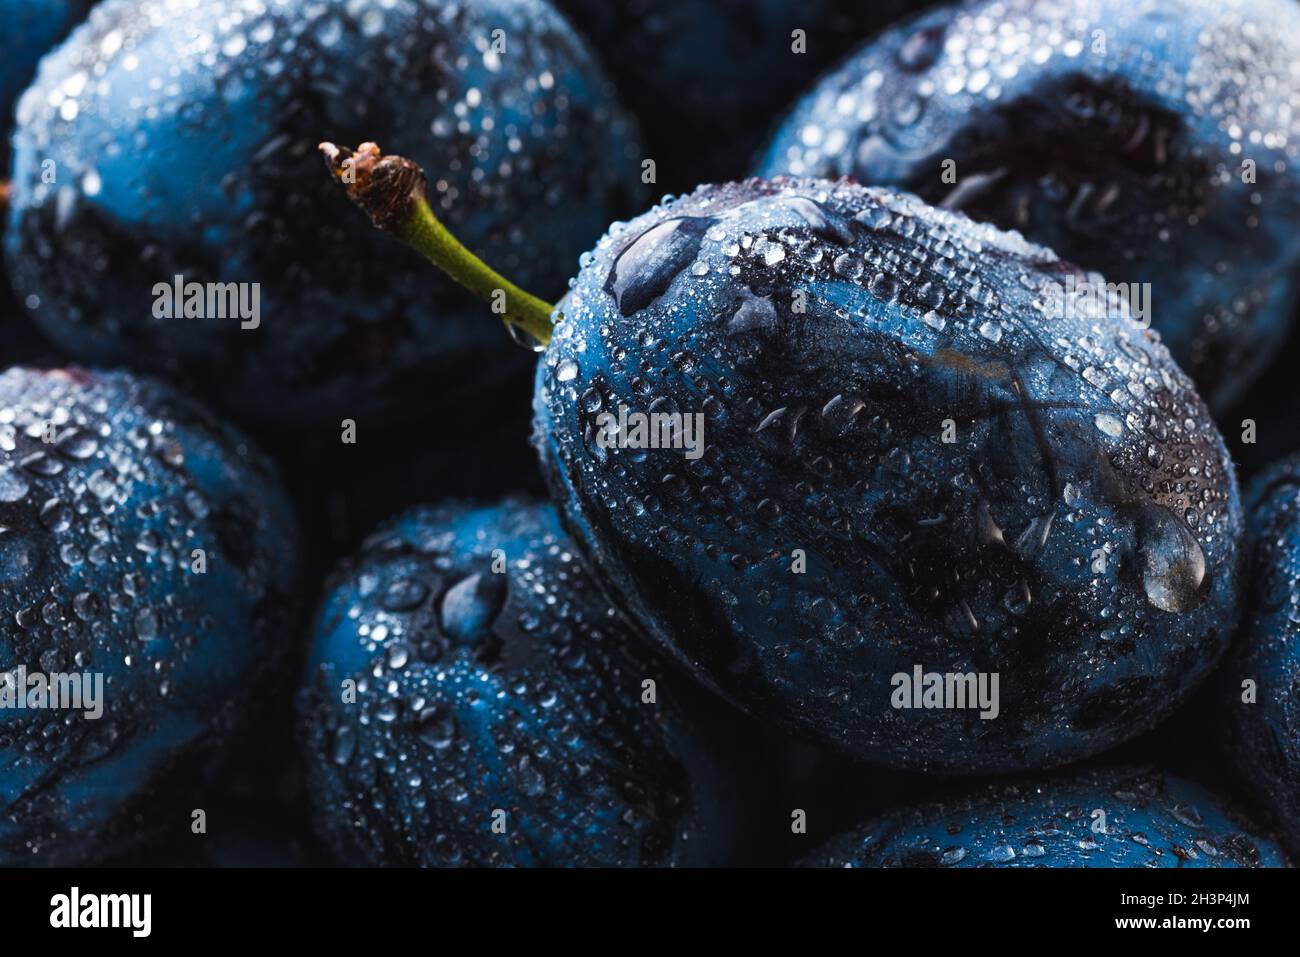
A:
[386, 188]
[393, 192]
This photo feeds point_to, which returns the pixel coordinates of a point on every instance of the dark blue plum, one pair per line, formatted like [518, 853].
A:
[706, 79]
[32, 28]
[1116, 133]
[517, 689]
[99, 573]
[1151, 820]
[1078, 534]
[184, 141]
[1265, 731]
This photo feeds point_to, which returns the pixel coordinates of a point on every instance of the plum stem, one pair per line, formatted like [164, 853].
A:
[393, 191]
[5, 186]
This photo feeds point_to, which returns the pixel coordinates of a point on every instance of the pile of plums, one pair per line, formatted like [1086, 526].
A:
[974, 335]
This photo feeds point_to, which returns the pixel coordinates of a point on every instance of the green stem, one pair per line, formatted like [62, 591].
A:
[426, 234]
[392, 190]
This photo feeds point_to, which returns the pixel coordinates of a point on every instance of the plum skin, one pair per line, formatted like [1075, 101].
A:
[1116, 134]
[520, 691]
[193, 153]
[32, 28]
[1152, 820]
[1265, 733]
[1049, 543]
[705, 80]
[100, 532]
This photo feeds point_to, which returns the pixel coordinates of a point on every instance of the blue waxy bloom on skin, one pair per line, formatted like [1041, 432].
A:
[184, 138]
[101, 576]
[908, 461]
[1150, 820]
[495, 685]
[1265, 731]
[32, 28]
[1153, 142]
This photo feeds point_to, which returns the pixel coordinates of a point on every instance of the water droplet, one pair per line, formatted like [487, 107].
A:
[146, 624]
[345, 743]
[471, 605]
[78, 445]
[437, 728]
[921, 49]
[405, 594]
[1108, 424]
[848, 265]
[1171, 561]
[13, 487]
[753, 313]
[646, 268]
